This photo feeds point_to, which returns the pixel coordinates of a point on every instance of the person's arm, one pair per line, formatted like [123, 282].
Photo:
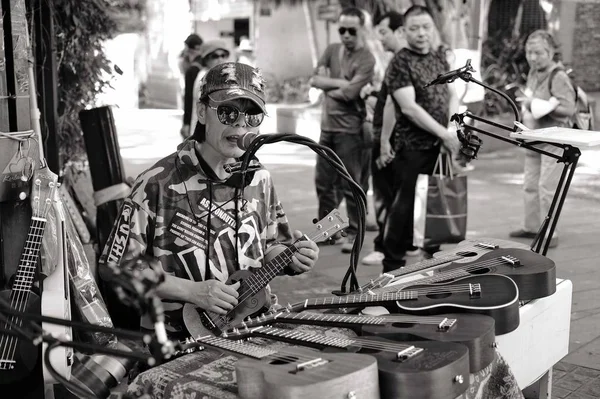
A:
[453, 102]
[320, 80]
[363, 75]
[564, 92]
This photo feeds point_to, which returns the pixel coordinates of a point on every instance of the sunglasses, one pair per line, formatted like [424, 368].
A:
[351, 31]
[228, 115]
[214, 56]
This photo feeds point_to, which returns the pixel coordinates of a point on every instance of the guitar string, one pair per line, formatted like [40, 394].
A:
[423, 265]
[454, 273]
[29, 256]
[222, 319]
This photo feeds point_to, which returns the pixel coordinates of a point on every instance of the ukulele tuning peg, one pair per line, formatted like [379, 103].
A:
[243, 324]
[224, 335]
[315, 220]
[235, 330]
[249, 319]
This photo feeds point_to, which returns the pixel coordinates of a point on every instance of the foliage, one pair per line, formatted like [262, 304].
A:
[81, 28]
[289, 91]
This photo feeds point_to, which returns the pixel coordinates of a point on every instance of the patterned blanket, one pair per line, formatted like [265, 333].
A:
[210, 374]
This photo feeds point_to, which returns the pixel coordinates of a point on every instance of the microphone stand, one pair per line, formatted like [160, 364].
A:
[331, 157]
[471, 144]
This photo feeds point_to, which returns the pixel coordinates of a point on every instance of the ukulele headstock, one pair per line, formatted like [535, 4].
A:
[328, 226]
[45, 183]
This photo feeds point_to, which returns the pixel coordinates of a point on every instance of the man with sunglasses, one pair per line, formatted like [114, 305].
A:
[198, 220]
[342, 71]
[213, 53]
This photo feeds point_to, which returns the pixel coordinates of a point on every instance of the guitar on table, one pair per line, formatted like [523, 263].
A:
[252, 297]
[18, 357]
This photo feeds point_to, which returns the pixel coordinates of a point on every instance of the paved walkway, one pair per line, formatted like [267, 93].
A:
[495, 208]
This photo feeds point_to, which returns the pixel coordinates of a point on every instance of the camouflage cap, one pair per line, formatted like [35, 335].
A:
[233, 80]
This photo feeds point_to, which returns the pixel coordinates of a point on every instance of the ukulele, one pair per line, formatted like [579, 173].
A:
[534, 274]
[422, 369]
[465, 251]
[18, 357]
[493, 295]
[56, 301]
[252, 296]
[296, 373]
[475, 331]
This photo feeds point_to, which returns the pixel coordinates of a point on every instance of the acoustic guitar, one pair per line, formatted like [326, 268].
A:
[18, 357]
[297, 373]
[534, 274]
[252, 296]
[474, 331]
[422, 369]
[493, 295]
[467, 251]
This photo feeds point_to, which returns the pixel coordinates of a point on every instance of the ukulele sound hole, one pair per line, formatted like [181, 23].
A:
[284, 360]
[480, 271]
[438, 295]
[467, 254]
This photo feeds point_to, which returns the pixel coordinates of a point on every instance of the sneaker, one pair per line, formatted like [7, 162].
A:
[375, 258]
[347, 245]
[413, 251]
[521, 233]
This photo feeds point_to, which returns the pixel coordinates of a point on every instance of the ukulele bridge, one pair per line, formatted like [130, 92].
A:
[487, 245]
[475, 290]
[511, 260]
[446, 324]
[310, 364]
[408, 353]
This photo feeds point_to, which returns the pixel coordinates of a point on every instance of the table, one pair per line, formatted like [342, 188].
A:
[211, 374]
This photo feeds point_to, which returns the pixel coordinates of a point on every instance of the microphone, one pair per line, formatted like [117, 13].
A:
[245, 140]
[451, 76]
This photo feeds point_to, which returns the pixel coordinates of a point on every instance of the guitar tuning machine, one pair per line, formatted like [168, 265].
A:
[244, 325]
[459, 379]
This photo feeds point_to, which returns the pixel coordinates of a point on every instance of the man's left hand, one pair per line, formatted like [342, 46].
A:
[306, 256]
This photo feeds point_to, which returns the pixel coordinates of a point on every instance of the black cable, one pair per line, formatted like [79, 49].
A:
[331, 157]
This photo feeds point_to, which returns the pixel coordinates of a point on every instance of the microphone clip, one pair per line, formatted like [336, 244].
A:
[469, 140]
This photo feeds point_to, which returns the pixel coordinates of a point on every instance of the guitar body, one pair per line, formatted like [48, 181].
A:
[498, 298]
[430, 374]
[200, 322]
[535, 275]
[337, 377]
[475, 331]
[25, 360]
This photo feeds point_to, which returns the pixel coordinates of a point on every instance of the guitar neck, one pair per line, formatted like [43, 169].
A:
[239, 347]
[426, 264]
[327, 319]
[367, 299]
[28, 262]
[263, 275]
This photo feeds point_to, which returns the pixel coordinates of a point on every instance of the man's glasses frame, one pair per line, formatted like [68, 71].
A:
[229, 114]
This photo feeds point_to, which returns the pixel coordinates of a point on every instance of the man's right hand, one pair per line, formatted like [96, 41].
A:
[386, 153]
[451, 142]
[213, 295]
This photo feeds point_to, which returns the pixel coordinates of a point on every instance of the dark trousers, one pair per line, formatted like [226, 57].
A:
[350, 149]
[398, 233]
[383, 194]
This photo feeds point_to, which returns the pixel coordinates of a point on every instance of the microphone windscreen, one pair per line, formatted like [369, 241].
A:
[245, 140]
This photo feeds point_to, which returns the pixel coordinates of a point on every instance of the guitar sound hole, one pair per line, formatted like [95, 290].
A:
[439, 295]
[403, 325]
[480, 271]
[467, 254]
[284, 360]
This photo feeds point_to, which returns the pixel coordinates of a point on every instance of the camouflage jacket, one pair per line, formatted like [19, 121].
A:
[167, 216]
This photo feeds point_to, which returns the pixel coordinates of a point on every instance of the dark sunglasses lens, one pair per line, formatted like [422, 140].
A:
[227, 115]
[254, 120]
[214, 56]
[351, 31]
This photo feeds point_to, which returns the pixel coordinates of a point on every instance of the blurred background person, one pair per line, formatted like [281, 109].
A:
[213, 53]
[388, 31]
[542, 173]
[192, 64]
[343, 70]
[245, 52]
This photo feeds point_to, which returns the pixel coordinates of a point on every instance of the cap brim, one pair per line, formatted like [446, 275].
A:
[223, 95]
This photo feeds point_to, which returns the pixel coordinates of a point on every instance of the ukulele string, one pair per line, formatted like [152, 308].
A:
[222, 319]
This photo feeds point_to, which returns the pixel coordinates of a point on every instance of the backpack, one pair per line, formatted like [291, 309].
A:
[583, 118]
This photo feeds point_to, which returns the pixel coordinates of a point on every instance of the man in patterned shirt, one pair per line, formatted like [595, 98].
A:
[200, 222]
[421, 129]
